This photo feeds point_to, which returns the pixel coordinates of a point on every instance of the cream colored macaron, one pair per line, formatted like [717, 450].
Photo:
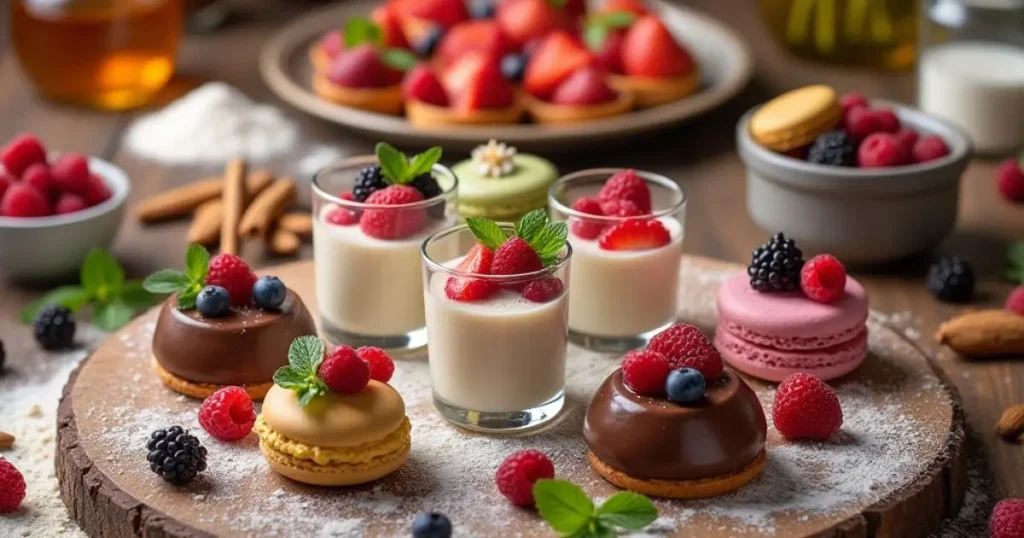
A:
[794, 119]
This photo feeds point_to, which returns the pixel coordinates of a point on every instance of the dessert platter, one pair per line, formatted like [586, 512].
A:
[534, 73]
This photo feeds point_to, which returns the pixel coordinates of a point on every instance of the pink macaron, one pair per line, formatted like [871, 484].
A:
[773, 335]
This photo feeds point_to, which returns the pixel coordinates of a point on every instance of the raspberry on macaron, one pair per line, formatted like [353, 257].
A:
[382, 367]
[823, 278]
[343, 371]
[806, 407]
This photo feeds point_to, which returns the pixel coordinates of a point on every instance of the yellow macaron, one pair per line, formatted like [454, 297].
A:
[338, 439]
[794, 119]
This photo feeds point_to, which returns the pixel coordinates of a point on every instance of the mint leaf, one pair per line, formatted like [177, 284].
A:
[532, 224]
[628, 510]
[398, 59]
[111, 316]
[393, 163]
[166, 281]
[305, 354]
[197, 263]
[423, 163]
[135, 296]
[596, 529]
[594, 36]
[617, 19]
[358, 31]
[563, 505]
[550, 241]
[1015, 253]
[101, 275]
[70, 297]
[487, 232]
[187, 298]
[308, 393]
[288, 378]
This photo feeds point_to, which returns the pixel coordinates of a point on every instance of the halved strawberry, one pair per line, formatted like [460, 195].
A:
[522, 20]
[475, 82]
[635, 234]
[650, 50]
[361, 67]
[446, 13]
[587, 86]
[478, 260]
[472, 36]
[387, 20]
[557, 57]
[636, 7]
[456, 76]
[421, 84]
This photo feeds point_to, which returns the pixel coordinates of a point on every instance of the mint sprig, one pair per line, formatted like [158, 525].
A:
[304, 357]
[547, 238]
[1015, 255]
[398, 169]
[102, 286]
[358, 31]
[188, 283]
[596, 31]
[571, 513]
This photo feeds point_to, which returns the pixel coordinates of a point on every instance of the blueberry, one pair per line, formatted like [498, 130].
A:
[513, 66]
[213, 301]
[431, 525]
[481, 9]
[268, 293]
[685, 386]
[426, 45]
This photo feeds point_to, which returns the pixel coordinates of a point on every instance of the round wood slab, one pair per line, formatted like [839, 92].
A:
[895, 470]
[726, 67]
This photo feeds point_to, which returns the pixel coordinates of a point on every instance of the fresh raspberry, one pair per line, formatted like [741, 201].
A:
[515, 257]
[1007, 519]
[852, 100]
[69, 203]
[343, 371]
[380, 363]
[860, 123]
[340, 216]
[71, 172]
[519, 471]
[686, 347]
[586, 228]
[620, 208]
[6, 180]
[1015, 301]
[12, 487]
[96, 191]
[907, 138]
[393, 223]
[805, 407]
[23, 200]
[231, 273]
[635, 234]
[888, 122]
[21, 152]
[627, 185]
[543, 290]
[645, 372]
[228, 414]
[38, 175]
[823, 278]
[880, 150]
[1010, 180]
[929, 148]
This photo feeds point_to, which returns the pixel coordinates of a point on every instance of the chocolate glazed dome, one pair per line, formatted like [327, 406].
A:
[654, 438]
[244, 347]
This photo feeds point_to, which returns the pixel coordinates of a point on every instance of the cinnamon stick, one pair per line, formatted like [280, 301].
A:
[300, 224]
[266, 207]
[234, 205]
[181, 201]
[206, 223]
[283, 242]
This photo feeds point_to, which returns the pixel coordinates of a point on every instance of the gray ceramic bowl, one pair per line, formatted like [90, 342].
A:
[862, 216]
[46, 248]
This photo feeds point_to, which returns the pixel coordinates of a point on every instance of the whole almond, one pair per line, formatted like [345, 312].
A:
[6, 440]
[1011, 424]
[984, 333]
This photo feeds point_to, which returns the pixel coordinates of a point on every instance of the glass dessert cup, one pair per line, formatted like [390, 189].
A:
[369, 288]
[620, 299]
[496, 365]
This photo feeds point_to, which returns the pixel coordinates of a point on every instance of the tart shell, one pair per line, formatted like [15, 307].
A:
[422, 114]
[386, 100]
[544, 112]
[657, 91]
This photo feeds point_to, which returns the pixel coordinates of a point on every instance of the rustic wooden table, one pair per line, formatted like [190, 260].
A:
[700, 155]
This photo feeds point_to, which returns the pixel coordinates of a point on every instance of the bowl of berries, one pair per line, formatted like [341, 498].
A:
[54, 208]
[870, 181]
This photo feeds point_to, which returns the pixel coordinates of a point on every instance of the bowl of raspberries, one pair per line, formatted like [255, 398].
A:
[871, 181]
[54, 208]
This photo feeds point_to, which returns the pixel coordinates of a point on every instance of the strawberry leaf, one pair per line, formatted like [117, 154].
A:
[359, 30]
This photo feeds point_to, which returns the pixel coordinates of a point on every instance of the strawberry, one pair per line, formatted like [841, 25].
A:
[575, 8]
[472, 36]
[361, 67]
[421, 84]
[515, 257]
[557, 57]
[650, 50]
[523, 20]
[393, 223]
[636, 7]
[456, 77]
[446, 13]
[635, 234]
[478, 261]
[487, 89]
[388, 21]
[608, 54]
[587, 86]
[627, 185]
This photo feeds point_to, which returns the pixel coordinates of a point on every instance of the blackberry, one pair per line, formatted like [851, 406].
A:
[951, 280]
[368, 180]
[54, 327]
[426, 184]
[833, 148]
[775, 266]
[175, 455]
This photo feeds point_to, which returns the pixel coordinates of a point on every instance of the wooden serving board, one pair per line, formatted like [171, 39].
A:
[895, 470]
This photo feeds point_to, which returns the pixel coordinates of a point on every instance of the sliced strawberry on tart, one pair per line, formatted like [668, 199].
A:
[326, 49]
[474, 89]
[525, 20]
[656, 68]
[477, 36]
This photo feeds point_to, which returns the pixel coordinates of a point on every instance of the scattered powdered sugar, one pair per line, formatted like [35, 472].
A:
[210, 125]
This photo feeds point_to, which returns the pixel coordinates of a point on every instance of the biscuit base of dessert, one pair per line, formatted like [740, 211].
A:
[422, 114]
[550, 113]
[386, 100]
[680, 489]
[319, 59]
[657, 91]
[201, 391]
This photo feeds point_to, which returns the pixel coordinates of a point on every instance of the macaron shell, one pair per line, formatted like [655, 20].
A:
[336, 420]
[775, 365]
[512, 195]
[796, 118]
[333, 475]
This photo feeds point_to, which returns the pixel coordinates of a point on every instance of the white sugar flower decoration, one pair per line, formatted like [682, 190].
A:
[494, 159]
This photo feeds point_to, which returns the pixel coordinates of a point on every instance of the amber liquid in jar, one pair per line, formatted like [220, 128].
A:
[108, 54]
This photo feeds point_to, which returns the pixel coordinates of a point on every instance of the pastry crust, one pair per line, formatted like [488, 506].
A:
[386, 100]
[681, 489]
[203, 390]
[422, 114]
[657, 91]
[320, 60]
[544, 112]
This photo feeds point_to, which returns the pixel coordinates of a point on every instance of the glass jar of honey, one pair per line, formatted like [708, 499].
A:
[107, 54]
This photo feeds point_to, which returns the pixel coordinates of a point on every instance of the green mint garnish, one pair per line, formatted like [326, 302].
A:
[304, 357]
[358, 31]
[400, 170]
[547, 238]
[188, 283]
[1015, 255]
[102, 285]
[398, 59]
[597, 29]
[487, 232]
[572, 514]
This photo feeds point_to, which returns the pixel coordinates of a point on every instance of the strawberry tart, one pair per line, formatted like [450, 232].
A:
[787, 316]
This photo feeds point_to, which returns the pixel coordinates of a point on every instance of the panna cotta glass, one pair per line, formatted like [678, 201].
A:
[368, 285]
[619, 299]
[496, 364]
